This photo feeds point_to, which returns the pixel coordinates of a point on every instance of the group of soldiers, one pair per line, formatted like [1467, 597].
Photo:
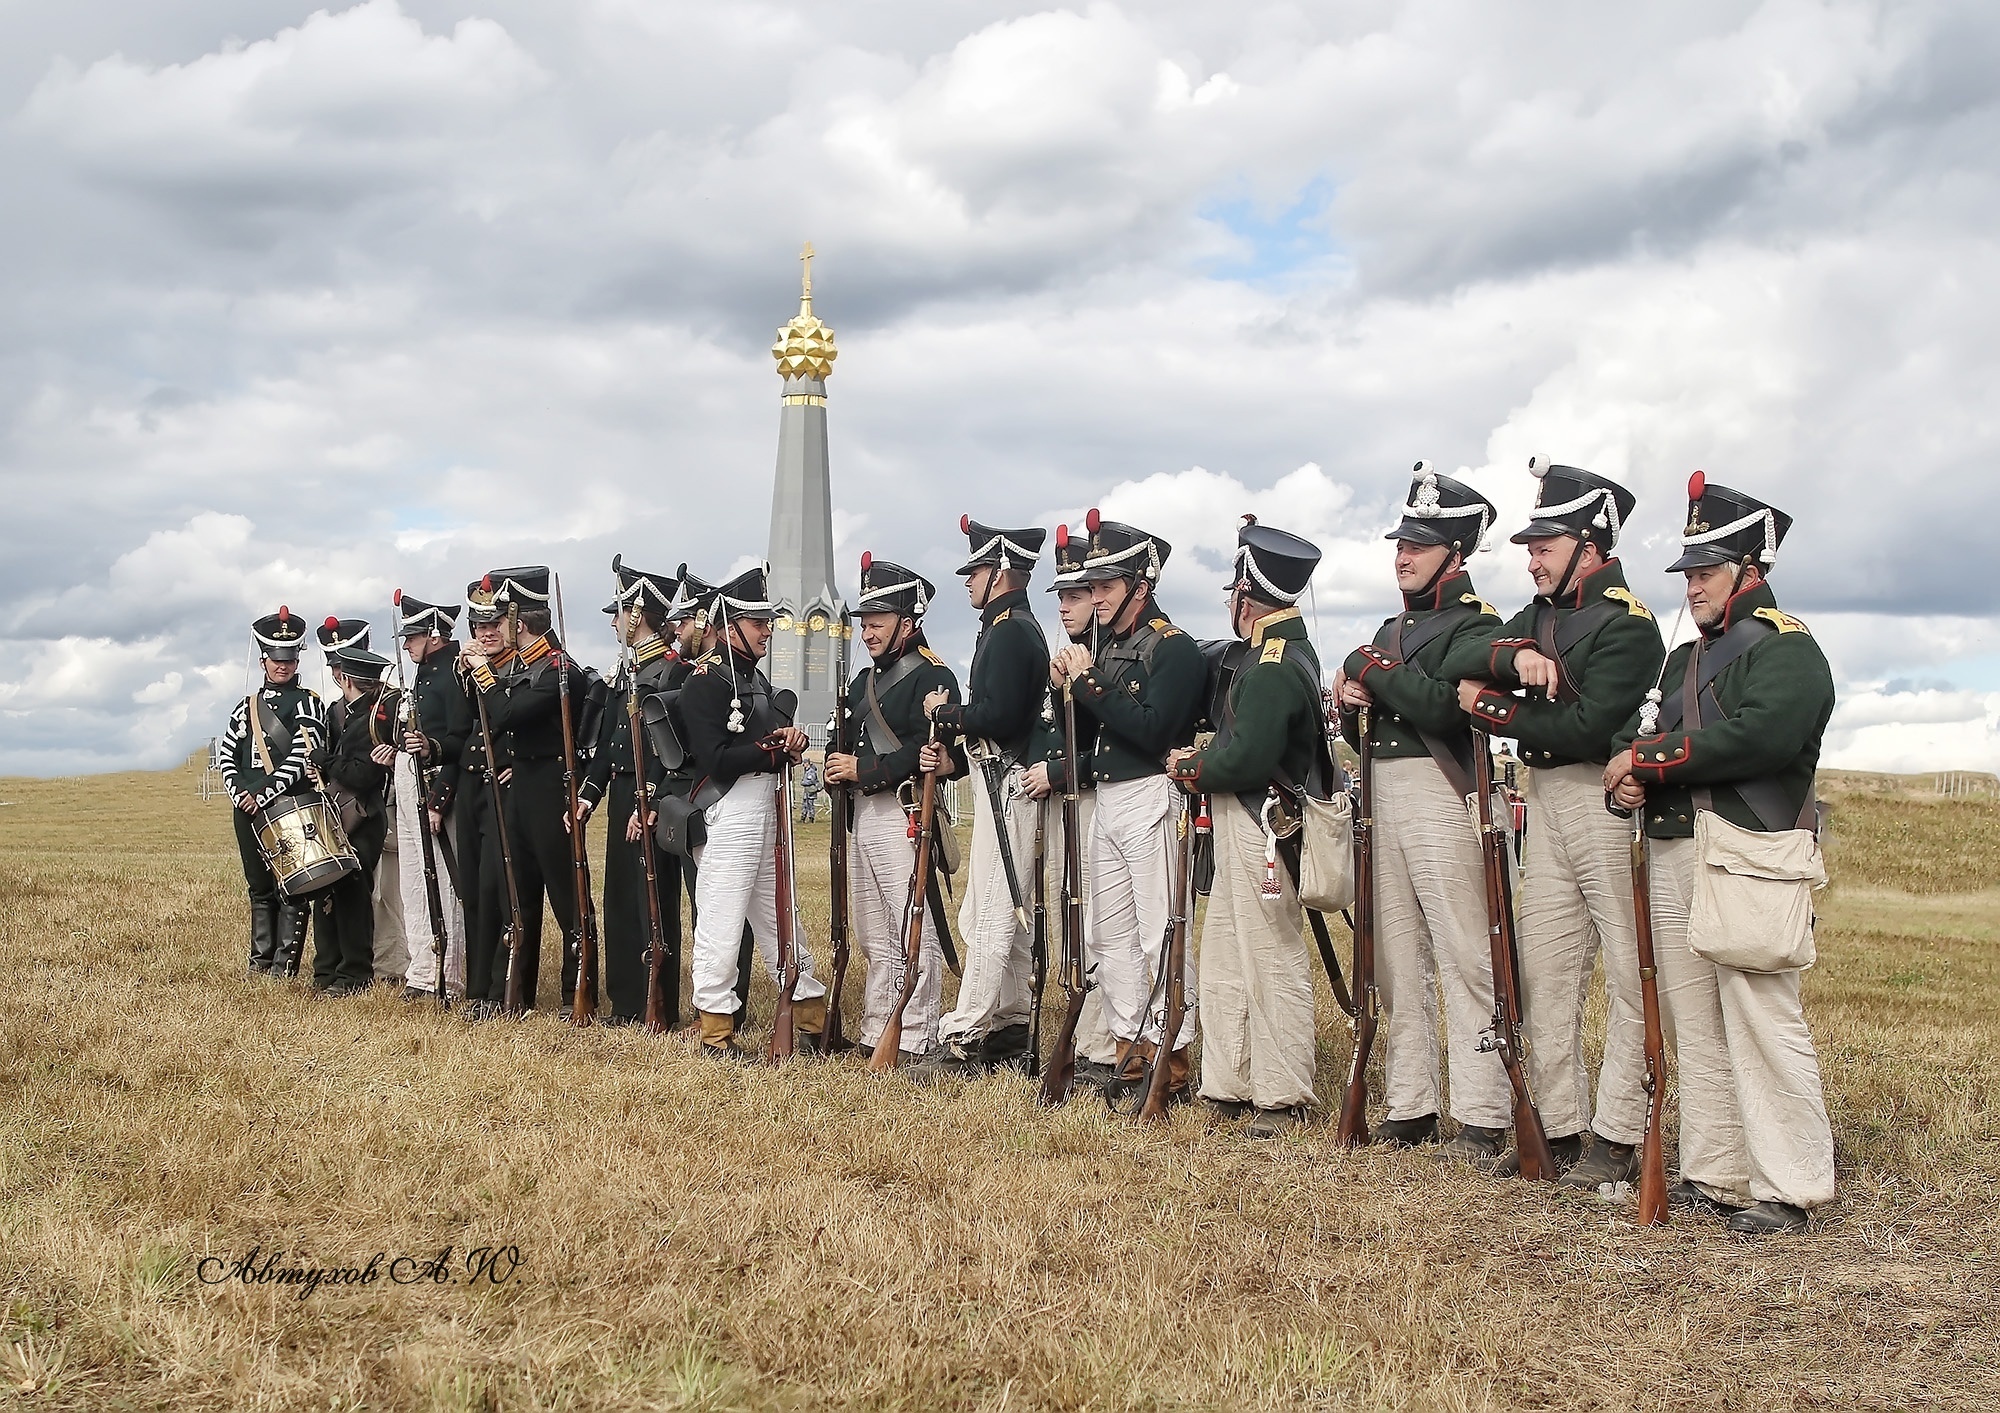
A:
[501, 750]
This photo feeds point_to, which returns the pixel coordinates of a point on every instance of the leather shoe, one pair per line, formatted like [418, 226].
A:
[1768, 1219]
[1684, 1196]
[1407, 1133]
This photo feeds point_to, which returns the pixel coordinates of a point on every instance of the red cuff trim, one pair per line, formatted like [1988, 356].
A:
[1504, 645]
[1661, 754]
[1089, 683]
[1376, 659]
[1495, 708]
[1188, 771]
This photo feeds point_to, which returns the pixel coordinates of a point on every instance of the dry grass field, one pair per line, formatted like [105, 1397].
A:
[674, 1234]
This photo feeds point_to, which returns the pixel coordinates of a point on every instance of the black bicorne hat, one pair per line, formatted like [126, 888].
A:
[338, 633]
[1728, 527]
[890, 588]
[748, 595]
[1122, 552]
[526, 586]
[1572, 501]
[480, 607]
[1071, 551]
[421, 619]
[1005, 549]
[1280, 565]
[279, 635]
[357, 662]
[693, 597]
[1441, 511]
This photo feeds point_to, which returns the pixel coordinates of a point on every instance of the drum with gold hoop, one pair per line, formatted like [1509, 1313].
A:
[303, 843]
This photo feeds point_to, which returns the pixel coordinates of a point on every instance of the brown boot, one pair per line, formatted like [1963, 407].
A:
[1180, 1067]
[718, 1037]
[809, 1025]
[1127, 1089]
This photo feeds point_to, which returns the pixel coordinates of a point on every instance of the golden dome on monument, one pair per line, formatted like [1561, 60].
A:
[805, 346]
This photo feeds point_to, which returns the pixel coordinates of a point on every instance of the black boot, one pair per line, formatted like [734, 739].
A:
[1607, 1163]
[1684, 1196]
[291, 931]
[263, 935]
[1768, 1219]
[1481, 1147]
[1006, 1048]
[1407, 1133]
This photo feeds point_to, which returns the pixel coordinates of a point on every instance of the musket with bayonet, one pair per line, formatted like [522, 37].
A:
[839, 800]
[433, 899]
[514, 1002]
[657, 956]
[583, 1009]
[1059, 1075]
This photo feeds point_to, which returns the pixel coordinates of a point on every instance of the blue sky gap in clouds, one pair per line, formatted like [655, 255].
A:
[1270, 246]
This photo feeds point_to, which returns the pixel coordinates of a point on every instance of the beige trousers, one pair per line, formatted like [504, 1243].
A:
[1430, 942]
[392, 954]
[1258, 1041]
[1094, 1040]
[1576, 899]
[995, 990]
[1134, 868]
[1753, 1116]
[880, 858]
[414, 895]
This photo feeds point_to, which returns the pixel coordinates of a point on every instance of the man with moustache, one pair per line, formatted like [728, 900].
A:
[886, 703]
[1561, 677]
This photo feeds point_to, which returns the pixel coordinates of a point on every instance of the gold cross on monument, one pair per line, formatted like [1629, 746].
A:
[806, 259]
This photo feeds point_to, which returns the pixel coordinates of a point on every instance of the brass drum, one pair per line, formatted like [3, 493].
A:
[304, 844]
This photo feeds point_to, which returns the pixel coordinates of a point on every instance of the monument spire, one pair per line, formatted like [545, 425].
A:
[812, 622]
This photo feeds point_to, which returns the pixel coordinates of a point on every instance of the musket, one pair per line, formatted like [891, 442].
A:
[1652, 1156]
[583, 1009]
[515, 1002]
[838, 798]
[992, 771]
[433, 900]
[889, 1047]
[656, 931]
[1038, 949]
[783, 1036]
[1503, 1036]
[1060, 1072]
[1352, 1129]
[1173, 976]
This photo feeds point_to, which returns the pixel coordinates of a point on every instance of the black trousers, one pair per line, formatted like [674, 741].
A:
[543, 864]
[627, 919]
[258, 880]
[344, 916]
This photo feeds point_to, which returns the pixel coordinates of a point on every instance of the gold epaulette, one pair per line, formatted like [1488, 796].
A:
[1477, 602]
[1164, 628]
[932, 658]
[1630, 600]
[1782, 621]
[1274, 650]
[1003, 617]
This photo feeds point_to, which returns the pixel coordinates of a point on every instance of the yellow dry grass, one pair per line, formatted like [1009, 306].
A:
[698, 1237]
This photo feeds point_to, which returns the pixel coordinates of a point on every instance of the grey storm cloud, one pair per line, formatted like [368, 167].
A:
[310, 304]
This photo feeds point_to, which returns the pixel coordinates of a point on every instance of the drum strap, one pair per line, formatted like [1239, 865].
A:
[257, 733]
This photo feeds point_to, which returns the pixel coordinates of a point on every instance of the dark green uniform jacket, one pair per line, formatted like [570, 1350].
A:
[347, 762]
[901, 684]
[1145, 694]
[718, 756]
[525, 705]
[1274, 723]
[1412, 694]
[613, 754]
[1774, 702]
[294, 722]
[1048, 742]
[1610, 658]
[1010, 671]
[444, 715]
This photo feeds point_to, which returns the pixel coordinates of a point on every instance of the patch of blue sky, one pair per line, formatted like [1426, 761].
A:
[1281, 245]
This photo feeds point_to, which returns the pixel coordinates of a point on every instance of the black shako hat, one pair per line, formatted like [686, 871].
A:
[1005, 549]
[692, 597]
[1572, 501]
[357, 662]
[279, 635]
[421, 619]
[480, 607]
[338, 633]
[1276, 564]
[1071, 551]
[655, 593]
[1441, 511]
[1122, 552]
[526, 586]
[1725, 526]
[748, 595]
[890, 588]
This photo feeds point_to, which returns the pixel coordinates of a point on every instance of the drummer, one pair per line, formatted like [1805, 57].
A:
[356, 762]
[264, 757]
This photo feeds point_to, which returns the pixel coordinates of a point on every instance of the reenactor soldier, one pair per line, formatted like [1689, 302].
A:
[525, 706]
[641, 619]
[354, 762]
[1724, 769]
[482, 866]
[391, 951]
[1143, 690]
[996, 722]
[1430, 910]
[1048, 779]
[1258, 1046]
[265, 751]
[1561, 677]
[886, 703]
[425, 785]
[737, 743]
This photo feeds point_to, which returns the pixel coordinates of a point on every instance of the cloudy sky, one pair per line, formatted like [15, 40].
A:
[298, 306]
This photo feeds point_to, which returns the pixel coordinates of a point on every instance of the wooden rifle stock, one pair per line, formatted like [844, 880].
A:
[515, 1002]
[1059, 1075]
[1174, 978]
[889, 1048]
[1352, 1129]
[583, 1009]
[1652, 1155]
[1531, 1141]
[784, 1038]
[657, 959]
[839, 904]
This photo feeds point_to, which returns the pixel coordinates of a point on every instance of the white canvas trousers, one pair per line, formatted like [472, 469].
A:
[1094, 1040]
[410, 817]
[1134, 869]
[392, 958]
[1258, 1041]
[1753, 1115]
[737, 883]
[1431, 942]
[996, 989]
[880, 860]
